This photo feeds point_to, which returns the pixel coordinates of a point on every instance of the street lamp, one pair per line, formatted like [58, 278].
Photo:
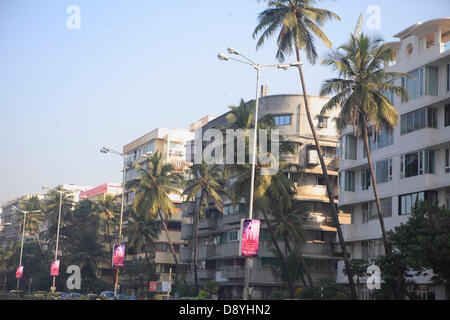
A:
[61, 192]
[23, 235]
[109, 150]
[258, 68]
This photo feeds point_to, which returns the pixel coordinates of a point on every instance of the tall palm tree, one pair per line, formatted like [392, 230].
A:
[300, 23]
[206, 187]
[51, 205]
[360, 94]
[34, 220]
[281, 188]
[83, 243]
[157, 180]
[141, 232]
[108, 211]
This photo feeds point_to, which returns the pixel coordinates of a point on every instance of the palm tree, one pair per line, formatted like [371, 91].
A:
[107, 210]
[157, 181]
[34, 220]
[360, 94]
[299, 23]
[84, 246]
[51, 209]
[281, 189]
[206, 186]
[141, 232]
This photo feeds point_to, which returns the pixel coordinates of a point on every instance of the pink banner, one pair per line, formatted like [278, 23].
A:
[250, 238]
[19, 272]
[118, 256]
[54, 270]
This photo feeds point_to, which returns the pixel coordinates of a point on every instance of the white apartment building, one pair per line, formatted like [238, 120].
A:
[411, 162]
[171, 144]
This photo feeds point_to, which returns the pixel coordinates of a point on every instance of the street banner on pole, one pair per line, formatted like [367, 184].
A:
[54, 269]
[249, 240]
[19, 272]
[118, 260]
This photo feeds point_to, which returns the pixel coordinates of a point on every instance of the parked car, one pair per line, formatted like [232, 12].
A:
[107, 295]
[63, 295]
[75, 295]
[125, 297]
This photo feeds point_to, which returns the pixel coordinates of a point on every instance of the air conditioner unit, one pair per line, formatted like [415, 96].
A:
[313, 157]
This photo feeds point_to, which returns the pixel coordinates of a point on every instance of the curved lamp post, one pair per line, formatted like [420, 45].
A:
[109, 150]
[23, 235]
[258, 68]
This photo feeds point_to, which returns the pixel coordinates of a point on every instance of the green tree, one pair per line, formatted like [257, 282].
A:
[34, 220]
[84, 246]
[108, 212]
[424, 241]
[299, 23]
[358, 269]
[142, 233]
[360, 94]
[205, 186]
[157, 180]
[138, 273]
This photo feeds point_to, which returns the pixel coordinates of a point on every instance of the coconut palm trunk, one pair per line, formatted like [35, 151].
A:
[290, 284]
[300, 256]
[177, 271]
[197, 218]
[375, 192]
[326, 178]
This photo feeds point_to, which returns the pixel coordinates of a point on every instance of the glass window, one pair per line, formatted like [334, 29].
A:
[284, 120]
[448, 77]
[350, 147]
[365, 179]
[408, 201]
[383, 171]
[447, 160]
[411, 165]
[349, 181]
[432, 81]
[447, 115]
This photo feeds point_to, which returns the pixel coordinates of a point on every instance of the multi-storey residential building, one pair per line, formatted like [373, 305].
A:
[171, 144]
[9, 229]
[218, 251]
[411, 162]
[101, 191]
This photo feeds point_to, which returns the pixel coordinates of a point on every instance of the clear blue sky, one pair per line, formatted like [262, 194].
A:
[134, 66]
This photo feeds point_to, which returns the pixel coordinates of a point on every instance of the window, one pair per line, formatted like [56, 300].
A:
[383, 171]
[417, 163]
[284, 120]
[386, 208]
[233, 236]
[349, 182]
[425, 82]
[320, 181]
[409, 50]
[371, 249]
[350, 147]
[323, 122]
[383, 139]
[319, 236]
[447, 115]
[447, 160]
[365, 179]
[407, 202]
[448, 77]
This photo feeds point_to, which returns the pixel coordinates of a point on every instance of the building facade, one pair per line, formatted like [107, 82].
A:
[218, 251]
[411, 162]
[171, 144]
